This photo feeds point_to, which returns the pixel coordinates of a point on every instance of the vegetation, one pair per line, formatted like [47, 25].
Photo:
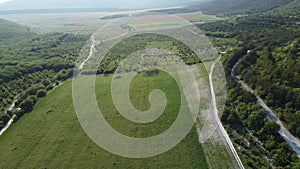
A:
[115, 16]
[140, 42]
[31, 64]
[175, 10]
[59, 133]
[244, 7]
[51, 135]
[257, 138]
[272, 64]
[267, 46]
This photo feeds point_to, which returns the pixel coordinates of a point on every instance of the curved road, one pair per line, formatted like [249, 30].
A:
[215, 109]
[224, 133]
[293, 141]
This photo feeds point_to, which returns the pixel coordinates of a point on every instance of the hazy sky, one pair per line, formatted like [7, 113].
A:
[2, 1]
[43, 4]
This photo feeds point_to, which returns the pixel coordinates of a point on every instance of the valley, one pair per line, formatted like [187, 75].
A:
[240, 59]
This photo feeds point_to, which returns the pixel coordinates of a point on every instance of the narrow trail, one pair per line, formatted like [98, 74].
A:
[92, 49]
[90, 54]
[292, 141]
[224, 133]
[9, 123]
[6, 126]
[94, 43]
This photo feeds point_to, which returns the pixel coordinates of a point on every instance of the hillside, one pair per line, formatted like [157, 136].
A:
[259, 45]
[31, 64]
[244, 7]
[12, 30]
[266, 48]
[51, 135]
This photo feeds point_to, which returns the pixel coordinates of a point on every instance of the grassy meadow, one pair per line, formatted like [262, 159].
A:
[51, 135]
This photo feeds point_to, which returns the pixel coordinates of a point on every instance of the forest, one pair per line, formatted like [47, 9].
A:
[272, 65]
[32, 64]
[244, 7]
[267, 46]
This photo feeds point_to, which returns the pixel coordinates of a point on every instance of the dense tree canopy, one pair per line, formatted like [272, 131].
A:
[31, 63]
[267, 46]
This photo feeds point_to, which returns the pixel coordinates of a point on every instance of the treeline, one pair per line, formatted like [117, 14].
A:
[260, 28]
[12, 30]
[270, 59]
[31, 65]
[244, 7]
[140, 42]
[269, 55]
[9, 73]
[258, 140]
[275, 74]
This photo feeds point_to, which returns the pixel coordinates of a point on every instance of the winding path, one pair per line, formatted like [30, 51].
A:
[8, 124]
[93, 45]
[292, 141]
[90, 54]
[224, 133]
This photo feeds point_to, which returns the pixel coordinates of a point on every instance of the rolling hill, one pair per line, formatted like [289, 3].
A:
[27, 59]
[54, 4]
[242, 7]
[51, 136]
[10, 29]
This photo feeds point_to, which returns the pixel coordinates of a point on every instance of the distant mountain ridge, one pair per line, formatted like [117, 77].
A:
[64, 4]
[241, 7]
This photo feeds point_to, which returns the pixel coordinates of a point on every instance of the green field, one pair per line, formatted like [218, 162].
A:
[51, 135]
[85, 22]
[89, 22]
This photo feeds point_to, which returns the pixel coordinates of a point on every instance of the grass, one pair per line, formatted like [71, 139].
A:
[85, 22]
[140, 89]
[204, 18]
[89, 22]
[159, 45]
[51, 136]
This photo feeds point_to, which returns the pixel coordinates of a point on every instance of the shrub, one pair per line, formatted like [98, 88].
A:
[41, 93]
